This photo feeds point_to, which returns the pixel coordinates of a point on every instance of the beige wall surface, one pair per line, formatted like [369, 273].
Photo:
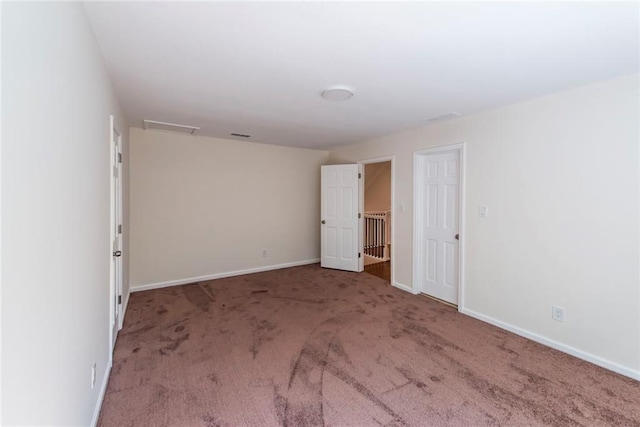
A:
[377, 190]
[205, 206]
[56, 248]
[559, 175]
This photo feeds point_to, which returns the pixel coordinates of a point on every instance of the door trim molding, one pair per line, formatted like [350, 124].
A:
[417, 253]
[383, 159]
[113, 282]
[101, 395]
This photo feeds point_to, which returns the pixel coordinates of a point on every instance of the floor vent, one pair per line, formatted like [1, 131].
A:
[241, 135]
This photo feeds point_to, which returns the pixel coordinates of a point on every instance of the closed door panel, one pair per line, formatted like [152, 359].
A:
[437, 224]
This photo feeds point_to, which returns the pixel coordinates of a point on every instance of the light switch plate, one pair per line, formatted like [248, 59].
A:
[483, 211]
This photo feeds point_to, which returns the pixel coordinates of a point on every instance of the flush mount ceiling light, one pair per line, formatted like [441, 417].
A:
[172, 127]
[337, 93]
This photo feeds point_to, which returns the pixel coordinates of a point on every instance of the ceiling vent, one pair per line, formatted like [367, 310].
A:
[241, 135]
[171, 127]
[443, 117]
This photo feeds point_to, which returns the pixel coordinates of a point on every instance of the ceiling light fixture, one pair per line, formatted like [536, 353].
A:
[337, 93]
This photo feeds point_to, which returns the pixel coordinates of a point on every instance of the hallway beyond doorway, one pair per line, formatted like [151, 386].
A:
[380, 269]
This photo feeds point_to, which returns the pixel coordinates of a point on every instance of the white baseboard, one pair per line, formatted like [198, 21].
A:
[107, 372]
[103, 390]
[604, 363]
[124, 309]
[404, 288]
[220, 275]
[126, 304]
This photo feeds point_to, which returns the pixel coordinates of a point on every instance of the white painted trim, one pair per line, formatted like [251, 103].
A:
[124, 309]
[440, 148]
[361, 217]
[461, 225]
[103, 390]
[178, 282]
[383, 159]
[404, 288]
[112, 220]
[115, 281]
[380, 159]
[596, 360]
[1, 399]
[417, 167]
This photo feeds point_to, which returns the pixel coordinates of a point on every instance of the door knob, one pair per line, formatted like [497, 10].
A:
[323, 221]
[457, 237]
[117, 253]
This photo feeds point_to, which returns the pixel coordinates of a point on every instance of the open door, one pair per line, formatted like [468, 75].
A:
[341, 222]
[116, 235]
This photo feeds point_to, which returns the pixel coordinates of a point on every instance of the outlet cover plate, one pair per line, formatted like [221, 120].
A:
[557, 313]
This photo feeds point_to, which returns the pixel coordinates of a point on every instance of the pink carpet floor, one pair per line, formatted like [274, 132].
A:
[307, 346]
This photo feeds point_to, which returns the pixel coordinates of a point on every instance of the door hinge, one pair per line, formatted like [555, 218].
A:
[359, 175]
[119, 228]
[359, 255]
[119, 157]
[359, 215]
[119, 299]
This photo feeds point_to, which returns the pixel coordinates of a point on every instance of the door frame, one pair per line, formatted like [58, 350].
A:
[418, 185]
[115, 283]
[382, 159]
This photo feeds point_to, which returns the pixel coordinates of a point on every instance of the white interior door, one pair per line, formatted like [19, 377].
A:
[341, 224]
[116, 234]
[437, 223]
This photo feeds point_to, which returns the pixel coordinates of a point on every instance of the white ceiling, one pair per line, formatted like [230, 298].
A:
[258, 68]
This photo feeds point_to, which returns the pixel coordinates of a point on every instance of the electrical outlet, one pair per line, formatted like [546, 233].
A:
[557, 313]
[93, 375]
[264, 253]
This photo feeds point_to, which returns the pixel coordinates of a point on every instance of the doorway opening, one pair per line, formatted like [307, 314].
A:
[377, 217]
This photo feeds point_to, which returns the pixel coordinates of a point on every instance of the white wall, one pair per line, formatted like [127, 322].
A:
[207, 206]
[56, 103]
[560, 177]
